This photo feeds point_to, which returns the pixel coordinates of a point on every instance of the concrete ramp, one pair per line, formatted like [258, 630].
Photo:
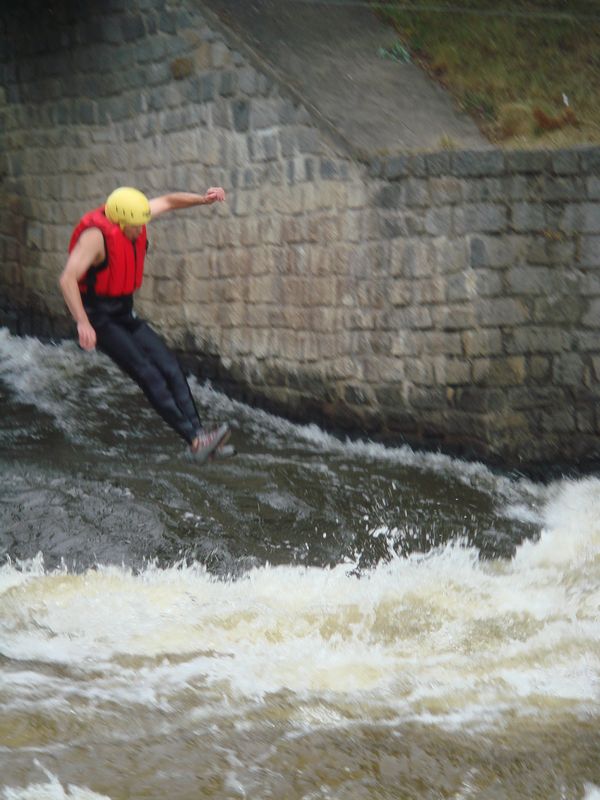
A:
[329, 54]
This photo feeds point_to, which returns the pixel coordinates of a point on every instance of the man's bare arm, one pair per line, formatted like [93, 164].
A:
[88, 252]
[176, 200]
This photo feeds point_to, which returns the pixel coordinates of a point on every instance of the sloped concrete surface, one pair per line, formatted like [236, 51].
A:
[329, 53]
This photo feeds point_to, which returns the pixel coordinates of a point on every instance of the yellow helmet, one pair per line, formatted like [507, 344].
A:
[127, 206]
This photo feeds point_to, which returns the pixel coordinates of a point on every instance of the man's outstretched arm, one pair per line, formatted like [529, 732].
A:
[176, 200]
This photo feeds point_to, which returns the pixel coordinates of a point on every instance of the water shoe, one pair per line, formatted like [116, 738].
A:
[206, 442]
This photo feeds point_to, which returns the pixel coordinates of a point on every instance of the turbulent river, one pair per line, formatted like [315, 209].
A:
[313, 619]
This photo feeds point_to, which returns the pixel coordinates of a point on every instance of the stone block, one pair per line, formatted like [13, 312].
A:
[392, 226]
[445, 190]
[530, 280]
[352, 226]
[452, 371]
[247, 80]
[416, 192]
[438, 164]
[552, 251]
[357, 395]
[528, 217]
[559, 308]
[590, 284]
[500, 311]
[589, 251]
[540, 368]
[461, 286]
[264, 114]
[447, 256]
[167, 292]
[591, 218]
[428, 398]
[429, 291]
[490, 251]
[593, 187]
[241, 115]
[486, 342]
[522, 187]
[564, 162]
[563, 189]
[308, 140]
[321, 292]
[292, 113]
[391, 195]
[417, 318]
[439, 221]
[506, 371]
[400, 293]
[489, 283]
[34, 236]
[395, 167]
[527, 161]
[568, 369]
[537, 339]
[456, 317]
[442, 343]
[294, 230]
[263, 146]
[590, 160]
[584, 420]
[228, 83]
[478, 163]
[376, 166]
[419, 371]
[183, 147]
[483, 190]
[480, 218]
[405, 343]
[580, 218]
[219, 54]
[412, 258]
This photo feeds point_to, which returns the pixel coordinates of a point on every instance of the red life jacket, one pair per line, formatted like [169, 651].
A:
[122, 270]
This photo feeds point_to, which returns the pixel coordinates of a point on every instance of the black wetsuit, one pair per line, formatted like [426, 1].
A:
[141, 353]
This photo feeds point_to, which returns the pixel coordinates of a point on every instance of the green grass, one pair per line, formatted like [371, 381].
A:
[511, 73]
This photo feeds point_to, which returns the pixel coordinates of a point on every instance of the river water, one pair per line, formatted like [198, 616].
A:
[313, 619]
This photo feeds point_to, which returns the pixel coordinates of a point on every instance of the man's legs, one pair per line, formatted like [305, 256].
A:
[134, 348]
[168, 365]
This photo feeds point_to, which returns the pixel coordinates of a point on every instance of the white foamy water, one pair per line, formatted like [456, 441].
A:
[51, 789]
[441, 637]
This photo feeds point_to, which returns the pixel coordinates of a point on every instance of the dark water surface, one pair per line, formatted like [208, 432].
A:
[312, 619]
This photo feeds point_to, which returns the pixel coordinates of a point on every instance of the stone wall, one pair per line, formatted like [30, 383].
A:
[448, 299]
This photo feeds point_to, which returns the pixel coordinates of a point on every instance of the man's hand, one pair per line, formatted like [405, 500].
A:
[175, 200]
[87, 335]
[214, 195]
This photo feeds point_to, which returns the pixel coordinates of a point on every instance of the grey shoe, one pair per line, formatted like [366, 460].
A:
[206, 442]
[223, 451]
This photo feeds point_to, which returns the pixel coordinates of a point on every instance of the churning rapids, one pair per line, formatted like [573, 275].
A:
[312, 619]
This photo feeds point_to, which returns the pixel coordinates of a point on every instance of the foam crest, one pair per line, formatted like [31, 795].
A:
[571, 526]
[51, 789]
[437, 636]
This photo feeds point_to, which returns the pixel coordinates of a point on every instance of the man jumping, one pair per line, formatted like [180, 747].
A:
[104, 269]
